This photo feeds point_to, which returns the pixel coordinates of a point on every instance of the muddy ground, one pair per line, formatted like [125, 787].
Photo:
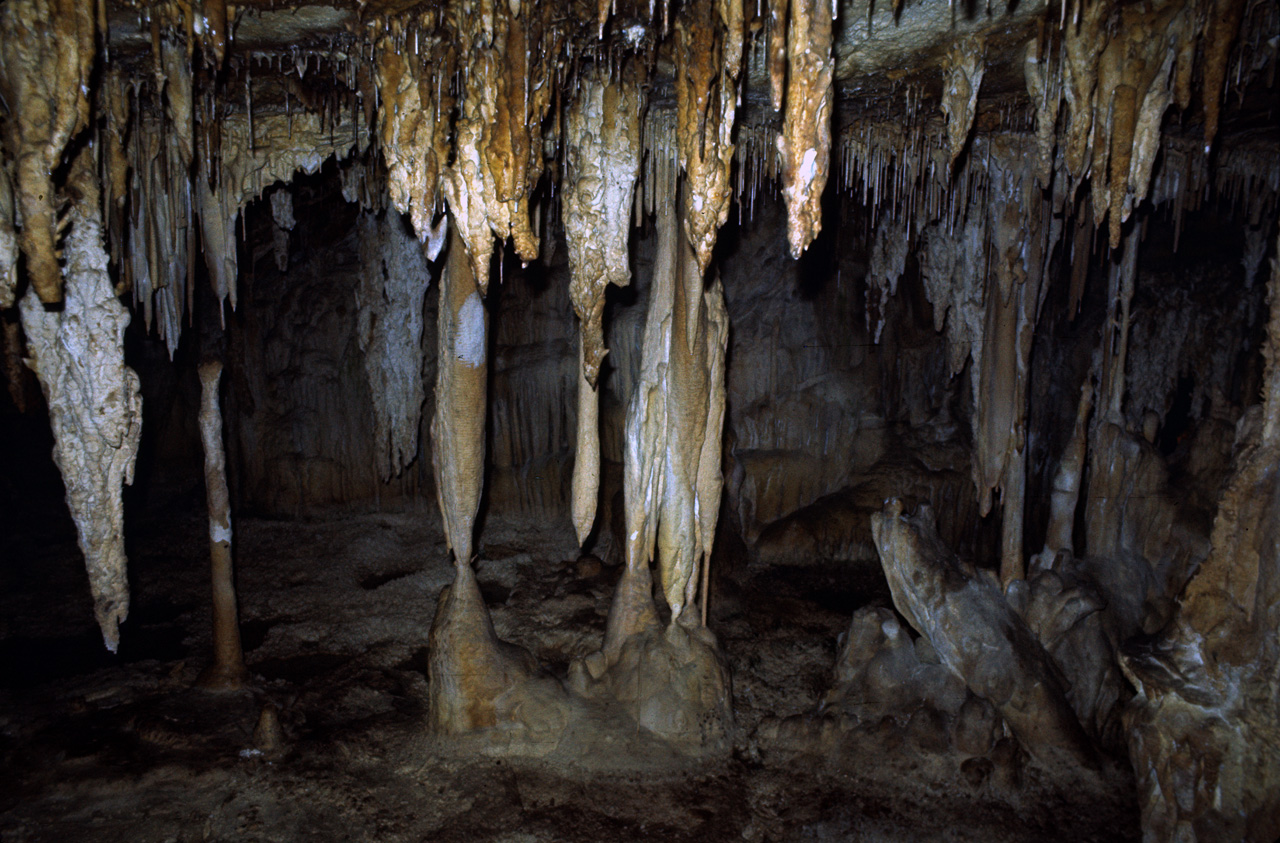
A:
[336, 612]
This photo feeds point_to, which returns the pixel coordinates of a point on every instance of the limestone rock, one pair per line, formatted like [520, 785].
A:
[978, 636]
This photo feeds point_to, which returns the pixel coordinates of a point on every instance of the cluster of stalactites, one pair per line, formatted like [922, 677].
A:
[415, 102]
[1118, 69]
[509, 76]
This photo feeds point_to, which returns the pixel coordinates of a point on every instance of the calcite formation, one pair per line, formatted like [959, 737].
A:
[960, 92]
[805, 143]
[457, 430]
[706, 84]
[978, 636]
[602, 164]
[498, 140]
[1202, 729]
[227, 672]
[94, 402]
[47, 49]
[675, 421]
[389, 318]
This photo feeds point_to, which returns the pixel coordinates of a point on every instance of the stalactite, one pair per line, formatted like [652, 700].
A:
[46, 54]
[457, 431]
[393, 281]
[94, 403]
[805, 143]
[1220, 30]
[706, 107]
[413, 129]
[227, 672]
[282, 222]
[888, 262]
[1044, 91]
[674, 421]
[498, 146]
[966, 67]
[602, 157]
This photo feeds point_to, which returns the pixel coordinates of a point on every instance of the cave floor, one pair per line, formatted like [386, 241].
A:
[335, 615]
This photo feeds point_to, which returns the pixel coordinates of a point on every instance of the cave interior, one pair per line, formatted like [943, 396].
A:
[697, 420]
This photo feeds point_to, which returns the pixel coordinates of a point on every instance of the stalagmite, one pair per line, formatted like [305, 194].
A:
[671, 680]
[602, 156]
[978, 636]
[227, 672]
[1065, 494]
[94, 403]
[389, 320]
[805, 142]
[46, 54]
[967, 65]
[1203, 728]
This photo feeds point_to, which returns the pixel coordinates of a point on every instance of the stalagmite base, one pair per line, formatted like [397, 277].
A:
[227, 673]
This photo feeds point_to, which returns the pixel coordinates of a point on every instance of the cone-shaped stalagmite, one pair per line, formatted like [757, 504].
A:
[227, 673]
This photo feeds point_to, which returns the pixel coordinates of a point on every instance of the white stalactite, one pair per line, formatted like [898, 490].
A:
[94, 402]
[389, 324]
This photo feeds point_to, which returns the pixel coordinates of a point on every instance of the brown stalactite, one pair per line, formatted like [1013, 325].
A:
[805, 142]
[706, 107]
[1220, 31]
[674, 421]
[47, 49]
[227, 672]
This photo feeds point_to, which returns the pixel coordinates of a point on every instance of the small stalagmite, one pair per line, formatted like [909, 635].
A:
[94, 403]
[602, 155]
[227, 672]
